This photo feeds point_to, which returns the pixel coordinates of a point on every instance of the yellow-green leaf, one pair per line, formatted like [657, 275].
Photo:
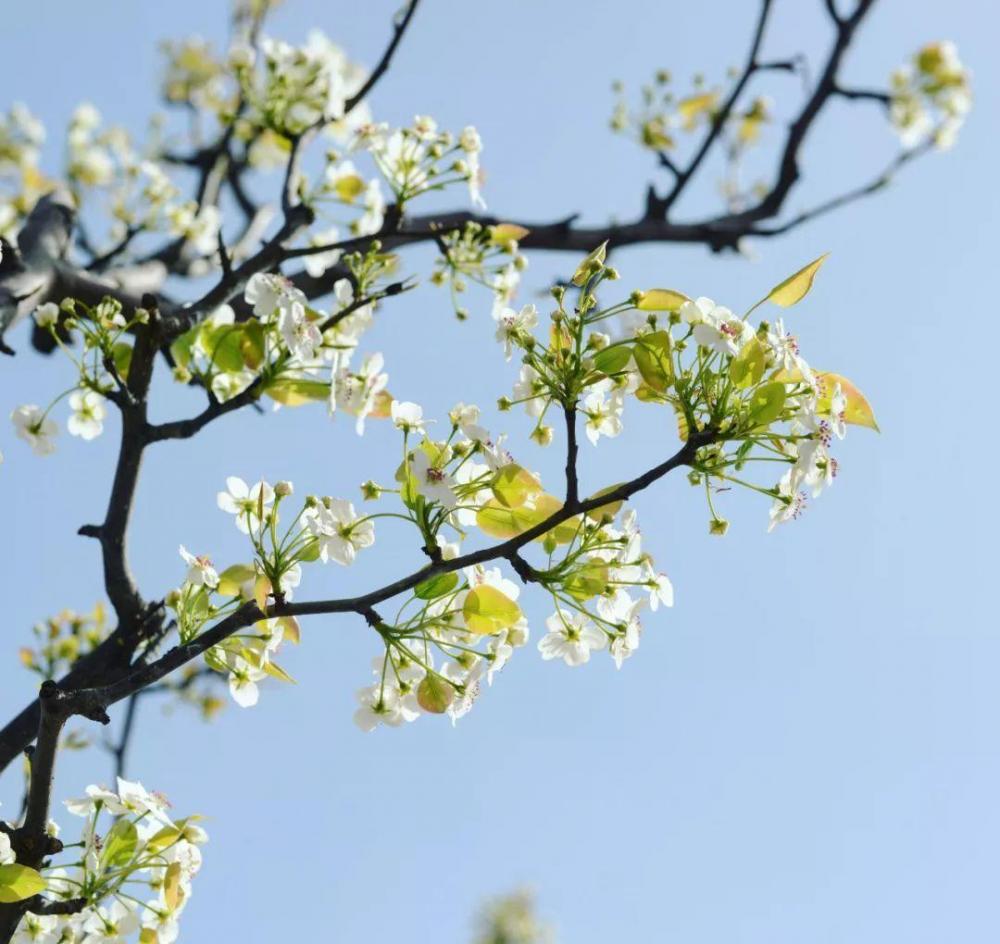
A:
[513, 486]
[488, 610]
[120, 844]
[276, 671]
[796, 286]
[435, 587]
[290, 629]
[747, 368]
[18, 882]
[767, 404]
[591, 264]
[660, 299]
[613, 359]
[233, 578]
[292, 391]
[172, 885]
[503, 234]
[588, 581]
[859, 411]
[609, 510]
[652, 354]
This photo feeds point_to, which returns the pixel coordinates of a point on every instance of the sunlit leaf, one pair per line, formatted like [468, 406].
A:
[660, 299]
[435, 587]
[489, 610]
[767, 404]
[796, 286]
[18, 882]
[513, 486]
[652, 354]
[859, 411]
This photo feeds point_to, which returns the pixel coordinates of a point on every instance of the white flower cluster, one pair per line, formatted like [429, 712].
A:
[135, 872]
[931, 97]
[296, 88]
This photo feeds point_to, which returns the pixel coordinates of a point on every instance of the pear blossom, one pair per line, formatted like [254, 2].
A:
[246, 502]
[243, 679]
[433, 483]
[408, 417]
[339, 530]
[271, 294]
[789, 502]
[603, 416]
[7, 856]
[200, 570]
[87, 420]
[111, 924]
[358, 393]
[571, 637]
[512, 326]
[35, 428]
[299, 332]
[47, 315]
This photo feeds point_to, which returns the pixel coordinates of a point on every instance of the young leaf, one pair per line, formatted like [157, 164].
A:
[513, 486]
[660, 299]
[767, 404]
[435, 587]
[488, 610]
[18, 882]
[652, 357]
[859, 411]
[795, 287]
[613, 359]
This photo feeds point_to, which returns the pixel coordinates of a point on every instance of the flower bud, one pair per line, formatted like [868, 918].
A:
[718, 526]
[283, 489]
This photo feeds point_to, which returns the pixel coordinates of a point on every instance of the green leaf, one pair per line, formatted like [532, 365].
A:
[223, 345]
[653, 358]
[747, 367]
[613, 359]
[294, 391]
[796, 286]
[588, 581]
[233, 578]
[434, 694]
[121, 355]
[767, 404]
[180, 350]
[18, 882]
[660, 299]
[120, 844]
[513, 486]
[435, 587]
[488, 610]
[252, 344]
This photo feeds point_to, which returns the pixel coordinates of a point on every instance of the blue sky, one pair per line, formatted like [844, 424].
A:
[804, 748]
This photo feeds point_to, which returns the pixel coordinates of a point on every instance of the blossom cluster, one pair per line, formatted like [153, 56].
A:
[662, 119]
[930, 97]
[133, 867]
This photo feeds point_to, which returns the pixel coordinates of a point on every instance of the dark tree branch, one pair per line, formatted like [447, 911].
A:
[572, 485]
[722, 116]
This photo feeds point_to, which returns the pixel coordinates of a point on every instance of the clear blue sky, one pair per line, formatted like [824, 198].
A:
[805, 748]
